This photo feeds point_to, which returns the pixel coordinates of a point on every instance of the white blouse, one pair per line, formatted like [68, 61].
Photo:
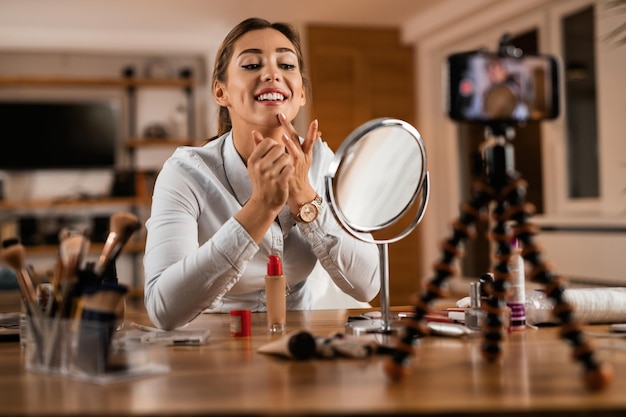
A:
[199, 258]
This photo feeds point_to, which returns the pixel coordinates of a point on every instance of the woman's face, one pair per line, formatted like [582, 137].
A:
[263, 80]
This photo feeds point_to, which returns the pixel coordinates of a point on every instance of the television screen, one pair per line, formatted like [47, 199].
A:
[58, 135]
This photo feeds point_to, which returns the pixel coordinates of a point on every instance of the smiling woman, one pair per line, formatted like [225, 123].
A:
[220, 210]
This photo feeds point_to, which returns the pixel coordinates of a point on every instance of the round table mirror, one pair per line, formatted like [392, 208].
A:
[378, 188]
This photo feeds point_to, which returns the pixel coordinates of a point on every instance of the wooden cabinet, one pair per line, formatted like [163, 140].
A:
[359, 74]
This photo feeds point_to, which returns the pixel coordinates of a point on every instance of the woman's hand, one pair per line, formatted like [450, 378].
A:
[270, 169]
[300, 189]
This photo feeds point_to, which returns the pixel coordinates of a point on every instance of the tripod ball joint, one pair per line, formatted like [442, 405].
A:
[395, 371]
[599, 377]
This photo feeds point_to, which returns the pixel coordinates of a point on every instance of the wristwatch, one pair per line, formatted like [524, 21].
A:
[309, 211]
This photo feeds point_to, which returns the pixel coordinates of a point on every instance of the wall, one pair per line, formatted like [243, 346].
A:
[471, 26]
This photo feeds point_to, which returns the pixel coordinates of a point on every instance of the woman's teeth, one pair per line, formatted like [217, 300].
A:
[270, 97]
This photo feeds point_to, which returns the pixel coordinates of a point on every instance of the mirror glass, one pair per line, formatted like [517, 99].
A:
[379, 171]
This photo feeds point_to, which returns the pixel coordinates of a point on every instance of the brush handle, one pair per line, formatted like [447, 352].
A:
[113, 247]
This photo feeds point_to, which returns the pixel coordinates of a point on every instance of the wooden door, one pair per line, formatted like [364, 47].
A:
[359, 74]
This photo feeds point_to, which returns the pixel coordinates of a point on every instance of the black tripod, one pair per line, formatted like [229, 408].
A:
[506, 189]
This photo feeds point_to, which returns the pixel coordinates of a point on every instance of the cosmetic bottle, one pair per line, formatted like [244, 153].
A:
[275, 294]
[474, 314]
[517, 295]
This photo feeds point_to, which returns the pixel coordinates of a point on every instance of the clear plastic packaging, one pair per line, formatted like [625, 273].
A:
[591, 305]
[539, 308]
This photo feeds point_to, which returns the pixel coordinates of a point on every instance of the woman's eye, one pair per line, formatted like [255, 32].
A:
[251, 66]
[287, 66]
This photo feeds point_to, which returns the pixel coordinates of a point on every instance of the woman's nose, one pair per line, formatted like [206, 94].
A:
[272, 74]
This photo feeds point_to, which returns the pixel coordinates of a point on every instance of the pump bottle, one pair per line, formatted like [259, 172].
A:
[275, 293]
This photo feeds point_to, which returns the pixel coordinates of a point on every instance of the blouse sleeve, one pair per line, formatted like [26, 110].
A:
[352, 263]
[183, 278]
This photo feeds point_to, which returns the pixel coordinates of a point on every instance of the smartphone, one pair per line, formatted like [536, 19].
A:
[486, 87]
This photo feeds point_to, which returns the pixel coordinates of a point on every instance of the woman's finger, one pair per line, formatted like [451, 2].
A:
[311, 137]
[290, 130]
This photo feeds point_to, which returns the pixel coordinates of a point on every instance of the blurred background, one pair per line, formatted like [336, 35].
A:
[137, 74]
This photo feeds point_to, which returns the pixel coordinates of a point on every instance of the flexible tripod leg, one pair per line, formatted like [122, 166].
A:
[596, 375]
[510, 205]
[494, 328]
[463, 228]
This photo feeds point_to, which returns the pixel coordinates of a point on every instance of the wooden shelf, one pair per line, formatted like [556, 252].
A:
[47, 81]
[94, 248]
[72, 203]
[169, 142]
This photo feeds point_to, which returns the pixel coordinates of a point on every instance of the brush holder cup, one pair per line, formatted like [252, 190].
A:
[89, 348]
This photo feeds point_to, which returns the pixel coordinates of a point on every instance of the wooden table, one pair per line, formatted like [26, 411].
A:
[448, 377]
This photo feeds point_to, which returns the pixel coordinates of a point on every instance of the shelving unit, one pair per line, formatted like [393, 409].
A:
[21, 80]
[141, 200]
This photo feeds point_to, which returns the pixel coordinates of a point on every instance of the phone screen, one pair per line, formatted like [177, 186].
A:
[484, 87]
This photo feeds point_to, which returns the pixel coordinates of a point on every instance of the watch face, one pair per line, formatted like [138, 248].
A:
[308, 212]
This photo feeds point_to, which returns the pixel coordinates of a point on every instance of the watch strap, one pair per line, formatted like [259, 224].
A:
[317, 202]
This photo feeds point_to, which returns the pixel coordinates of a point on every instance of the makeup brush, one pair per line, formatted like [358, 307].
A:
[72, 249]
[121, 228]
[14, 254]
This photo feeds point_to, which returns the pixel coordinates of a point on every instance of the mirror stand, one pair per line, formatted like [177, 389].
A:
[384, 324]
[375, 181]
[385, 309]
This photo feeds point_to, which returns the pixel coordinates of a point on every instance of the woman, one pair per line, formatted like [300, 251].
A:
[220, 210]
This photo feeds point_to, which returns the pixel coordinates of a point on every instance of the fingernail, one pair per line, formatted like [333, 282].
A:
[282, 116]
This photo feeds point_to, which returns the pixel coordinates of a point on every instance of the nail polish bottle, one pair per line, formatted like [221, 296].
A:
[275, 294]
[474, 314]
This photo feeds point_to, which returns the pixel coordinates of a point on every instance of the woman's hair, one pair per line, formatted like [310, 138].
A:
[225, 53]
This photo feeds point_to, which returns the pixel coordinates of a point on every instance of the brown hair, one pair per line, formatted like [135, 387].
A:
[225, 53]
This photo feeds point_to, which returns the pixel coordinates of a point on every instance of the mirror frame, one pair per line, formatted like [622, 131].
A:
[422, 187]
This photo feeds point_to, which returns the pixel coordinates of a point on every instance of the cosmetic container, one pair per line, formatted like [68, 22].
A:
[517, 295]
[275, 294]
[474, 314]
[240, 323]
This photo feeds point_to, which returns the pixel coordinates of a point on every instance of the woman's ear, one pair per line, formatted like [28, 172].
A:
[303, 96]
[219, 94]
